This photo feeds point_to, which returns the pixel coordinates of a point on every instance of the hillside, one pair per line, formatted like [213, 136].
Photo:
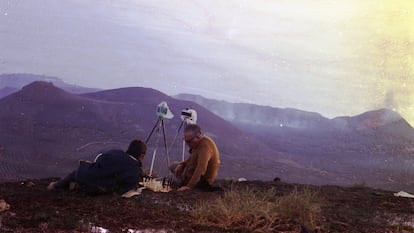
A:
[5, 91]
[46, 130]
[335, 209]
[375, 147]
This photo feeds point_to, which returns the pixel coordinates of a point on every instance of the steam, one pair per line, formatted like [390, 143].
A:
[400, 102]
[390, 101]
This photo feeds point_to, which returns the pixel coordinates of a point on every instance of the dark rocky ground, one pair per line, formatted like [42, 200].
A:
[34, 209]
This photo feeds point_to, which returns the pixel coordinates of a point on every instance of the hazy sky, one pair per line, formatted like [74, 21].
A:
[332, 57]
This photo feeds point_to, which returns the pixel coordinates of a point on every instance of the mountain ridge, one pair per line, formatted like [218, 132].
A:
[295, 118]
[45, 130]
[48, 125]
[16, 81]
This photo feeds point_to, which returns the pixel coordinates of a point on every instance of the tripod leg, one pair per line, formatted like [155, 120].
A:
[176, 135]
[155, 152]
[165, 143]
[183, 155]
[153, 129]
[152, 162]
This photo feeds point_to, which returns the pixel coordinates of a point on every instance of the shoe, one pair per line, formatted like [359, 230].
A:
[51, 186]
[73, 186]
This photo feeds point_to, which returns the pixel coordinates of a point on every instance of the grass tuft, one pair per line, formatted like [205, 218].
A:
[259, 211]
[302, 206]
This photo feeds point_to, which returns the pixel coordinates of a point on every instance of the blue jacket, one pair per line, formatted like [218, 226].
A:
[112, 171]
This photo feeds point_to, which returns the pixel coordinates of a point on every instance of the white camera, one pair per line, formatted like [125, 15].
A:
[189, 116]
[163, 111]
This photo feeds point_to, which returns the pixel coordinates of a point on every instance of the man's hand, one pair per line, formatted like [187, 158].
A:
[184, 188]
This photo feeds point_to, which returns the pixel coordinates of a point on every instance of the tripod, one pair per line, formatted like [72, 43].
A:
[184, 124]
[157, 128]
[188, 117]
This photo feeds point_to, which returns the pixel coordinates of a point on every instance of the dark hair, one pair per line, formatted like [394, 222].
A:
[194, 128]
[137, 148]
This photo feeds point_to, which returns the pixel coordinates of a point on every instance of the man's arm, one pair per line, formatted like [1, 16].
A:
[97, 157]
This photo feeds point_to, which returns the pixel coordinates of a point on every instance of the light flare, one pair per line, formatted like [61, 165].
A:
[385, 46]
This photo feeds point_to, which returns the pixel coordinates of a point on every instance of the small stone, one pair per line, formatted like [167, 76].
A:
[3, 205]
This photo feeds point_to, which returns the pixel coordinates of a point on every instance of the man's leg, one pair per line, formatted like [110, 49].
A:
[178, 175]
[174, 166]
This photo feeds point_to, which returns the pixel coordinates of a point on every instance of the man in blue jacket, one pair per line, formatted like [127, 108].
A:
[112, 171]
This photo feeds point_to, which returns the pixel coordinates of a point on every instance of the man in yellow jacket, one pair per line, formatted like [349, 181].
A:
[203, 163]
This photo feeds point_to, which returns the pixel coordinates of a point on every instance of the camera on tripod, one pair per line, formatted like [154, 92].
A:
[163, 111]
[189, 116]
